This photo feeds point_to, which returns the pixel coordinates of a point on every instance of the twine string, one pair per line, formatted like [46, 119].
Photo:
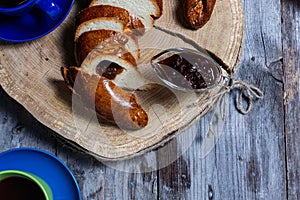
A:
[246, 91]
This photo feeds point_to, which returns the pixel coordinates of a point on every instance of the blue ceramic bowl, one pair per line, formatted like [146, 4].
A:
[33, 25]
[46, 166]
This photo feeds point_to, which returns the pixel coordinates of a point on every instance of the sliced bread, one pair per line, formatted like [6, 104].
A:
[105, 23]
[120, 66]
[106, 99]
[101, 38]
[144, 9]
[129, 20]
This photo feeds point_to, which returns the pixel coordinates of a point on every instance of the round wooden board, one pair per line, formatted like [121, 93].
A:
[30, 73]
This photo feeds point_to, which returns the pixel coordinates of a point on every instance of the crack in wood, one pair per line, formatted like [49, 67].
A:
[210, 193]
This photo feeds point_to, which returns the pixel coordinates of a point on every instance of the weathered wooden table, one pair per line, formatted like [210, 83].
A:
[257, 156]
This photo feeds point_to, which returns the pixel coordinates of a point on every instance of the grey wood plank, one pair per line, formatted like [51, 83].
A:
[19, 129]
[291, 66]
[174, 179]
[98, 181]
[249, 160]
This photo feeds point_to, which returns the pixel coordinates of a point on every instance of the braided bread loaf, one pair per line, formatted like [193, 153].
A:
[106, 48]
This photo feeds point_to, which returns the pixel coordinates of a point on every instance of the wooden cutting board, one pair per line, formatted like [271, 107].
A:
[30, 73]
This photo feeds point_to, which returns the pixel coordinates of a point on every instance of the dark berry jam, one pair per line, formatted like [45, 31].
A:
[199, 72]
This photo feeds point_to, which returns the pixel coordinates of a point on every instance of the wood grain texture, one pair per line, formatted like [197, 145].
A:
[47, 98]
[257, 156]
[18, 128]
[249, 160]
[291, 69]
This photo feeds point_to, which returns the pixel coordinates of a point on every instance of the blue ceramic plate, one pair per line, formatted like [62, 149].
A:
[33, 25]
[48, 167]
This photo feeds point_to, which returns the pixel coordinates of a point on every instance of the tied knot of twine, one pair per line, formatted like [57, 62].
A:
[247, 92]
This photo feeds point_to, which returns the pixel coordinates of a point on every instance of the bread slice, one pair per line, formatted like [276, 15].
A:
[129, 20]
[117, 64]
[150, 7]
[144, 9]
[159, 3]
[101, 38]
[105, 23]
[109, 101]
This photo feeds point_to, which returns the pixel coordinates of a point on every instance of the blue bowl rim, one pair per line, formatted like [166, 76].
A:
[45, 33]
[52, 156]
